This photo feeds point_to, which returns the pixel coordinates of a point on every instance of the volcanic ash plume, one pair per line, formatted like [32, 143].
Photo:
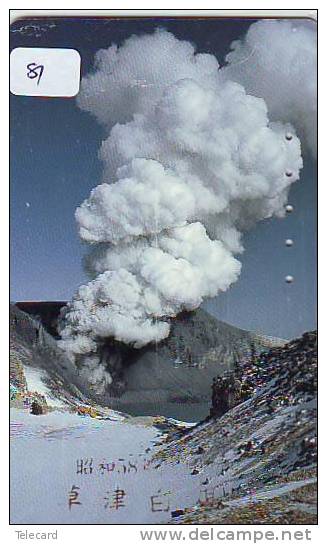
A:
[190, 161]
[277, 61]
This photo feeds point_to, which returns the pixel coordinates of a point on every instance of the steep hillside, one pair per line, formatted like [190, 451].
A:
[257, 463]
[34, 355]
[252, 461]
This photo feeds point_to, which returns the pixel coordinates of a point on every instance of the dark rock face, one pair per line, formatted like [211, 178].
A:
[297, 359]
[225, 394]
[46, 312]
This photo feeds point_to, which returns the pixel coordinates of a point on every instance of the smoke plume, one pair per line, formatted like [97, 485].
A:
[277, 61]
[190, 162]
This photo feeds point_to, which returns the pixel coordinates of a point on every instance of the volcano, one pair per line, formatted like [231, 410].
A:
[172, 378]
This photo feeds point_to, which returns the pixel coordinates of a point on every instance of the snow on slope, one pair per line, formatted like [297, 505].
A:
[36, 381]
[45, 451]
[255, 464]
[261, 445]
[259, 453]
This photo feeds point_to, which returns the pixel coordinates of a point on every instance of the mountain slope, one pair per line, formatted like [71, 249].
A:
[34, 354]
[172, 378]
[257, 463]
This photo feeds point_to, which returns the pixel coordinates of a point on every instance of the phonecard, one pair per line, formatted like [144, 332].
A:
[163, 357]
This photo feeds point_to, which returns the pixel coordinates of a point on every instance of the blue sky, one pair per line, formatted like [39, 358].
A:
[54, 166]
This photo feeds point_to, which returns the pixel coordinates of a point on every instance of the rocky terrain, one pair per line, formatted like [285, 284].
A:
[257, 462]
[251, 460]
[33, 350]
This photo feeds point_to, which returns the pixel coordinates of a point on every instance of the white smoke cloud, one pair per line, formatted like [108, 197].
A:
[132, 78]
[190, 162]
[277, 61]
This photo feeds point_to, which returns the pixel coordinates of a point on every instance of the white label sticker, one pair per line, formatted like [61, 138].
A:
[36, 71]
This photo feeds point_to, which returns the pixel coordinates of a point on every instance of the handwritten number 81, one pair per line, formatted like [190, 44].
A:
[34, 71]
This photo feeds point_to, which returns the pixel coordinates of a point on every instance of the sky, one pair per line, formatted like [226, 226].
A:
[54, 165]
